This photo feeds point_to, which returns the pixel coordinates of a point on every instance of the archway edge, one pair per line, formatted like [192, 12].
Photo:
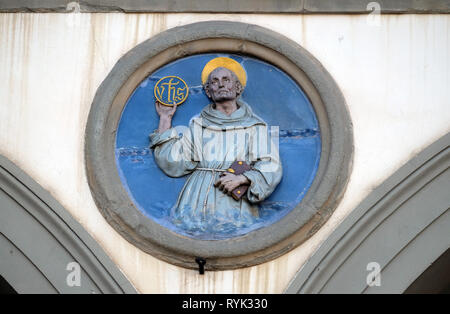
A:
[412, 203]
[39, 238]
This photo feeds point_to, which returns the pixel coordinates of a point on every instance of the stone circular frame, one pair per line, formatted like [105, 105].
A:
[257, 246]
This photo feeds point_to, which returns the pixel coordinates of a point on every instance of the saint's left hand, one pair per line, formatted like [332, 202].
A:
[228, 182]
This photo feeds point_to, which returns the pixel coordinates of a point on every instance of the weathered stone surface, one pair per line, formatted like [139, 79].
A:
[230, 6]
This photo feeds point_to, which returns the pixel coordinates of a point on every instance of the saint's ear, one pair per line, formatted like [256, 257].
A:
[239, 88]
[206, 87]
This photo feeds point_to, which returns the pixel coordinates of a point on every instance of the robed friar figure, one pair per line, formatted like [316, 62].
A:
[224, 132]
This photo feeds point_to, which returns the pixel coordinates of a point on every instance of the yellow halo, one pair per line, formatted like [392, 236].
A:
[228, 63]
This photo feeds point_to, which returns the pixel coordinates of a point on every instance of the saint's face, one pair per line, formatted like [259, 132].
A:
[222, 85]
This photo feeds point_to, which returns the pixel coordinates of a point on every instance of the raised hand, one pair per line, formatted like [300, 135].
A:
[166, 114]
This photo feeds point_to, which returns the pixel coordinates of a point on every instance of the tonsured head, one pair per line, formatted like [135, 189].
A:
[222, 85]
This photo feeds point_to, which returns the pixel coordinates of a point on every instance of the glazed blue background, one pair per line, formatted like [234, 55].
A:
[271, 94]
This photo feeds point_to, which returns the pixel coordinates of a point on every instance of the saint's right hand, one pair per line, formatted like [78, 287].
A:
[165, 112]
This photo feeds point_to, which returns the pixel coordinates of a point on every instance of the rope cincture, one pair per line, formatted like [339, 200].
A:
[209, 186]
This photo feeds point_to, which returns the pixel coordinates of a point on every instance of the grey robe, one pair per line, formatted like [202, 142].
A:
[201, 207]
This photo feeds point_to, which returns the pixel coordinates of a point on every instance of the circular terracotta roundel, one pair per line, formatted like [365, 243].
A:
[289, 136]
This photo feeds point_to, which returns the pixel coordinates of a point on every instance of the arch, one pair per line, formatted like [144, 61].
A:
[403, 225]
[38, 240]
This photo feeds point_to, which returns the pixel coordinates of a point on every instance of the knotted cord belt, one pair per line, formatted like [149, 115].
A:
[210, 184]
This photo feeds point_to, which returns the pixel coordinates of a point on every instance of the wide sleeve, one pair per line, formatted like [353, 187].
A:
[266, 170]
[173, 151]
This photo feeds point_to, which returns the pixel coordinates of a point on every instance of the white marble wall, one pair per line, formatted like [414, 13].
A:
[395, 78]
